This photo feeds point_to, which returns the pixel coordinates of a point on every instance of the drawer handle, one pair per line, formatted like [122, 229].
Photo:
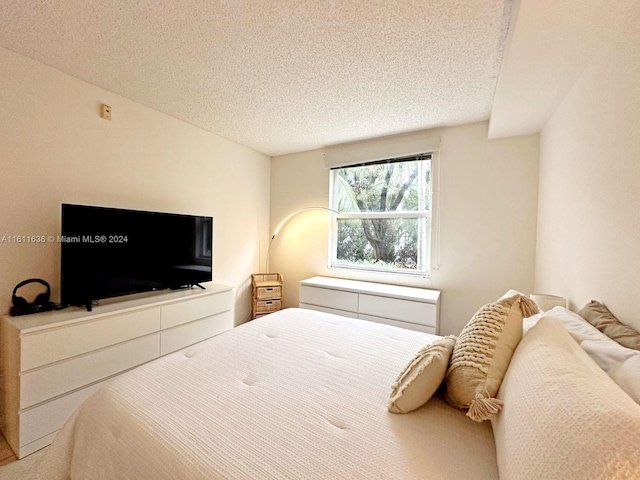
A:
[269, 289]
[268, 303]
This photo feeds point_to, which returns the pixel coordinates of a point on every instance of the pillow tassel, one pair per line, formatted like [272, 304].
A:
[483, 408]
[528, 307]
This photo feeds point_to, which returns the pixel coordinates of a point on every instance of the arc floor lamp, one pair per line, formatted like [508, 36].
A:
[286, 220]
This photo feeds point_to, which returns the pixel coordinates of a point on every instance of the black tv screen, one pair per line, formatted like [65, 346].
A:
[107, 252]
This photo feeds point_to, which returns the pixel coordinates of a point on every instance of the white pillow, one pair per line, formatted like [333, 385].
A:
[577, 326]
[621, 364]
[627, 375]
[563, 417]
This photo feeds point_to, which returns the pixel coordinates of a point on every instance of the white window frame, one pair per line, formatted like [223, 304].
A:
[429, 247]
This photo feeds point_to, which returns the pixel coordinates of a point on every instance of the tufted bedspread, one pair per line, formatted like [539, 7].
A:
[295, 395]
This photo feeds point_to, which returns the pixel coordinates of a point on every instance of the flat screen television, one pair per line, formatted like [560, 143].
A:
[107, 252]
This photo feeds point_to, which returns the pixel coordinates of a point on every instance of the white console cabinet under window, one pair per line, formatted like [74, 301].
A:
[53, 361]
[406, 307]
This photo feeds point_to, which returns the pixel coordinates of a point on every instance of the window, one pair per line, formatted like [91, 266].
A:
[204, 240]
[384, 215]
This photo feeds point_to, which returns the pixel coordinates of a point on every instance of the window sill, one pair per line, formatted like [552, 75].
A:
[375, 271]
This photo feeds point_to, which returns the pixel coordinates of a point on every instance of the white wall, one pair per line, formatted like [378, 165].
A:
[55, 148]
[589, 210]
[488, 220]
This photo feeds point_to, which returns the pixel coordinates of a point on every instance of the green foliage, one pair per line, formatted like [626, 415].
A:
[383, 242]
[355, 248]
[387, 187]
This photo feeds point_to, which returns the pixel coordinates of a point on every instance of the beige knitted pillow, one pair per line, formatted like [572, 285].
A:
[600, 317]
[421, 377]
[482, 354]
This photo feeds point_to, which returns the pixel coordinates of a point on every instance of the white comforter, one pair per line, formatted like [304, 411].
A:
[298, 394]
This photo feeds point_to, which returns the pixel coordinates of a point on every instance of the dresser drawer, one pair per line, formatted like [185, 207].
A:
[184, 335]
[317, 308]
[325, 297]
[33, 447]
[184, 312]
[49, 417]
[396, 323]
[39, 349]
[398, 309]
[45, 383]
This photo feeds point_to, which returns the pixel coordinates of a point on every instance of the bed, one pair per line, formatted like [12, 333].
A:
[303, 394]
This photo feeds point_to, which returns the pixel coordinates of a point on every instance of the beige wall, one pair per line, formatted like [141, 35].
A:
[55, 148]
[488, 220]
[589, 210]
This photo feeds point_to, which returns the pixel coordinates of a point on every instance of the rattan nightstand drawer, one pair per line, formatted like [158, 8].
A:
[267, 293]
[266, 306]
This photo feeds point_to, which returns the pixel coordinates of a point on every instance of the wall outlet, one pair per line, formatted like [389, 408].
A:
[105, 111]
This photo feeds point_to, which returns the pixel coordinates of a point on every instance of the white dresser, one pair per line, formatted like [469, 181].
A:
[406, 307]
[53, 361]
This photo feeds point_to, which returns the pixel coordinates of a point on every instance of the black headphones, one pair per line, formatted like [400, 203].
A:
[42, 302]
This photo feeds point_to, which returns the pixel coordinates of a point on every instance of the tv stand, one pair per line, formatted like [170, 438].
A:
[53, 361]
[198, 285]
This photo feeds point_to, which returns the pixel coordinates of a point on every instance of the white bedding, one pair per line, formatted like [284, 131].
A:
[298, 394]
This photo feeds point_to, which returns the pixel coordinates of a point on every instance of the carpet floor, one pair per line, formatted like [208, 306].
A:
[21, 469]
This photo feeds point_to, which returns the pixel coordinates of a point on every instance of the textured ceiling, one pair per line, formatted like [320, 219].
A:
[278, 76]
[552, 45]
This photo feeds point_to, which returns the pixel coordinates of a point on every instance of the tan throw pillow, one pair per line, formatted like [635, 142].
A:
[600, 317]
[482, 354]
[421, 377]
[563, 417]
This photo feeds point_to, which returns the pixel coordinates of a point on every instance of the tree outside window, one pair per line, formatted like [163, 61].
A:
[385, 213]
